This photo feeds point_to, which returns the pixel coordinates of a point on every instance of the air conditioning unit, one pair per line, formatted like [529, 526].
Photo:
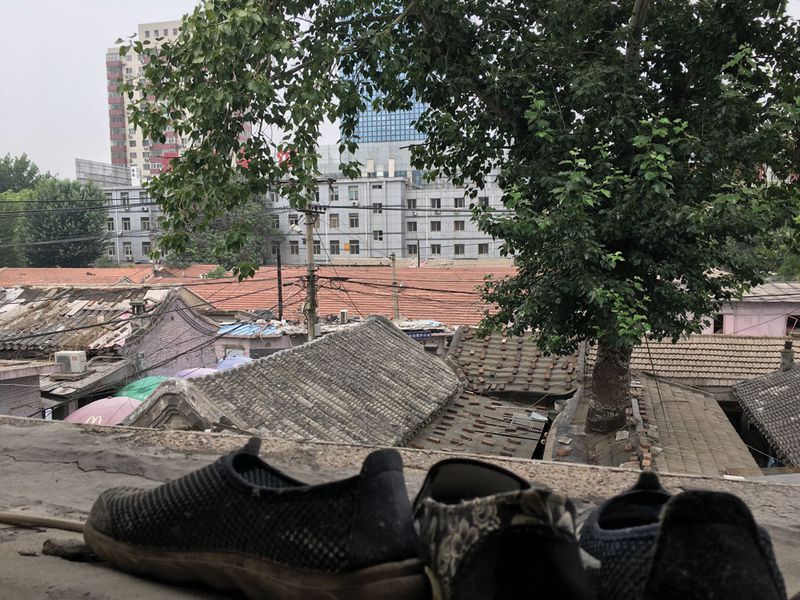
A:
[437, 212]
[354, 202]
[73, 361]
[413, 213]
[145, 209]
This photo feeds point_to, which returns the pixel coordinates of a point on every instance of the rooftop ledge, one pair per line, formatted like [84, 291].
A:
[58, 469]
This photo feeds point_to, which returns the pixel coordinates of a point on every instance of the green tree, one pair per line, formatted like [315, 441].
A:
[18, 173]
[68, 211]
[243, 235]
[629, 137]
[12, 209]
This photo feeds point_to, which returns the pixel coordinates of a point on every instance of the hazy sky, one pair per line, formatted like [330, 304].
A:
[53, 102]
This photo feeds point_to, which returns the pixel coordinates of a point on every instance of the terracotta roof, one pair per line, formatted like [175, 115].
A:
[772, 403]
[706, 360]
[366, 384]
[482, 425]
[56, 318]
[692, 431]
[447, 295]
[16, 276]
[499, 363]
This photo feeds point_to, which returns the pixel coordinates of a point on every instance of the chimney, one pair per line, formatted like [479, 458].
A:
[137, 307]
[343, 317]
[787, 356]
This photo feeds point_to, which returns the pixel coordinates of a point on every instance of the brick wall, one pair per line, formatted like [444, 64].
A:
[20, 397]
[178, 331]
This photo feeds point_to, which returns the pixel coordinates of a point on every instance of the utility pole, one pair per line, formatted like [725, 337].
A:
[311, 211]
[395, 299]
[280, 284]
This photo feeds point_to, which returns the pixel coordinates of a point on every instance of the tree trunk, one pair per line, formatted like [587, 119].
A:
[611, 389]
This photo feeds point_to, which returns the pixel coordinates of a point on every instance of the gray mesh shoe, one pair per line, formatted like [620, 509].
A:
[487, 534]
[693, 546]
[240, 524]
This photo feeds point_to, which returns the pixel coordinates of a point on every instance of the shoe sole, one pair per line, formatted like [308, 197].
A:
[260, 578]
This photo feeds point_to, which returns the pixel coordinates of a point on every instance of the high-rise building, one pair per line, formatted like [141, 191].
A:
[144, 158]
[384, 126]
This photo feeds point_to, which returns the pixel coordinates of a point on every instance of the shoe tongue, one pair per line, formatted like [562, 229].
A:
[252, 447]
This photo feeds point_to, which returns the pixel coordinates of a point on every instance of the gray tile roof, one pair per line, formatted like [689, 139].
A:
[706, 360]
[693, 432]
[483, 425]
[368, 384]
[772, 403]
[46, 319]
[499, 363]
[774, 291]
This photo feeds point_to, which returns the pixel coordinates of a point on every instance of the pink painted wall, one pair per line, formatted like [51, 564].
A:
[756, 318]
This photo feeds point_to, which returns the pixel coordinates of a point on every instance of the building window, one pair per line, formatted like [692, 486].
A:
[294, 247]
[411, 203]
[377, 208]
[126, 223]
[294, 219]
[133, 154]
[274, 222]
[436, 225]
[110, 224]
[354, 247]
[352, 193]
[127, 250]
[132, 143]
[146, 223]
[112, 250]
[436, 249]
[334, 247]
[411, 226]
[458, 202]
[147, 33]
[317, 247]
[377, 235]
[333, 220]
[145, 249]
[483, 201]
[483, 248]
[458, 249]
[275, 248]
[458, 225]
[335, 197]
[125, 199]
[411, 249]
[146, 143]
[719, 323]
[377, 186]
[436, 203]
[174, 31]
[353, 220]
[793, 325]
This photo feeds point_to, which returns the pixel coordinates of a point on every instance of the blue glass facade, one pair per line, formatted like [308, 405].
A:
[384, 126]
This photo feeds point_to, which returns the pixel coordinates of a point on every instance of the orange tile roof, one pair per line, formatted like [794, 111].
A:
[447, 295]
[14, 276]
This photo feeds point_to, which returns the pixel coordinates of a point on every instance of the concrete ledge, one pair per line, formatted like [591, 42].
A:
[58, 469]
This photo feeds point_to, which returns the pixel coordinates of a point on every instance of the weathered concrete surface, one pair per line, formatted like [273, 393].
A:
[58, 469]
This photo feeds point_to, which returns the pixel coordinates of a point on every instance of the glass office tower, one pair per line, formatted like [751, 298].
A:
[384, 126]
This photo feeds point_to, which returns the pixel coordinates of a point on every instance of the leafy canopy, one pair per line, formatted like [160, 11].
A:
[64, 210]
[18, 173]
[631, 150]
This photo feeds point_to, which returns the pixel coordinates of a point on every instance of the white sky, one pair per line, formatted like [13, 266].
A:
[53, 102]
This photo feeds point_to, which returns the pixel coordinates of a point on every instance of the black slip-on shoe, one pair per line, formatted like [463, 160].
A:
[621, 534]
[487, 534]
[638, 535]
[241, 524]
[709, 546]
